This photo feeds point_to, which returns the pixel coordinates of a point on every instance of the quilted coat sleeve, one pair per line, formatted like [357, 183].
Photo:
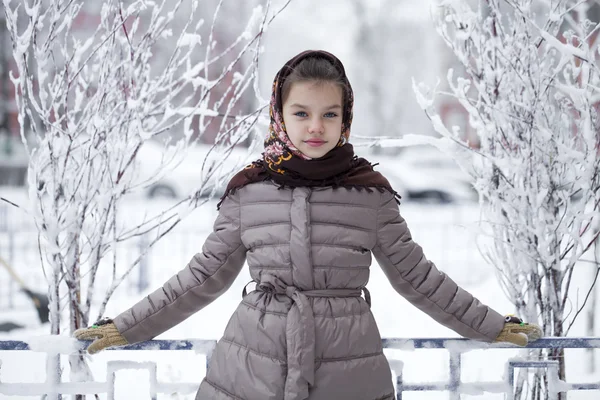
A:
[421, 283]
[208, 275]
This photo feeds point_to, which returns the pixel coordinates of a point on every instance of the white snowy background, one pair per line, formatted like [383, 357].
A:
[447, 233]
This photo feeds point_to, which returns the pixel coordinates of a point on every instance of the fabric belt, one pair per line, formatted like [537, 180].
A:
[300, 331]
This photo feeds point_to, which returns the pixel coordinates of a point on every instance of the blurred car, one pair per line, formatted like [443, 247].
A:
[171, 172]
[185, 173]
[418, 174]
[426, 175]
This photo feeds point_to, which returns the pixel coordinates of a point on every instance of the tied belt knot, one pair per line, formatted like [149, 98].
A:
[300, 331]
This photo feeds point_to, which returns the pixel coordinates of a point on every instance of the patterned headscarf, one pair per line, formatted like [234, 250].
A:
[287, 166]
[278, 146]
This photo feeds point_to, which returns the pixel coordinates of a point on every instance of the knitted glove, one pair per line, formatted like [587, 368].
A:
[518, 332]
[105, 334]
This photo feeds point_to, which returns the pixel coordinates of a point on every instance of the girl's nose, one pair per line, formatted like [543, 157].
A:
[316, 126]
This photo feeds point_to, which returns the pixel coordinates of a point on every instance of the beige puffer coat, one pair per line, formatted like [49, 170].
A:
[305, 332]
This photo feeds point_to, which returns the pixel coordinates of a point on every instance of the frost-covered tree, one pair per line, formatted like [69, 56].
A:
[99, 93]
[530, 82]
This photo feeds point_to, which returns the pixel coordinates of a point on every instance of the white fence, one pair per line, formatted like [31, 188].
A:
[439, 229]
[453, 388]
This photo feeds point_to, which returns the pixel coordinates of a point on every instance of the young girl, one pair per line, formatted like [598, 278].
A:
[306, 218]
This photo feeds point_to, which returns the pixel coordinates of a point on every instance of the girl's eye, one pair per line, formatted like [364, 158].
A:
[301, 114]
[331, 115]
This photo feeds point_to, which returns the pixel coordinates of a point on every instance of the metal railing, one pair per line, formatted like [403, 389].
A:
[455, 347]
[33, 389]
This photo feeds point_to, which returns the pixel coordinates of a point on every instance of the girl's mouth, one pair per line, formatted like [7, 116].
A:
[314, 143]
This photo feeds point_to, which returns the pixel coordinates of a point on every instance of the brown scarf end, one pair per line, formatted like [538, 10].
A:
[283, 186]
[359, 176]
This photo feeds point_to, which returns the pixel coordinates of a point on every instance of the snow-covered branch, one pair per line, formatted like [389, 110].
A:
[529, 85]
[97, 82]
[96, 93]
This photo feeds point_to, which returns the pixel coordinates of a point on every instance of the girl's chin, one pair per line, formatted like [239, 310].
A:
[314, 153]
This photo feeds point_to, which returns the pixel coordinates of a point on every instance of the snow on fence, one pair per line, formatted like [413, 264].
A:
[205, 347]
[455, 347]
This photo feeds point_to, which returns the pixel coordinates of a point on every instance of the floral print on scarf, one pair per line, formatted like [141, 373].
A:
[278, 146]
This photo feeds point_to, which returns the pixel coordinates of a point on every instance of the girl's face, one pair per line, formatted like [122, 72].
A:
[312, 114]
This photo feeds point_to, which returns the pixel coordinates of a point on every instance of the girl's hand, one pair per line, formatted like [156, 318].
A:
[518, 332]
[105, 334]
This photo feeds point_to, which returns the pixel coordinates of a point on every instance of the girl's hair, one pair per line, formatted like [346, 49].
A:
[314, 69]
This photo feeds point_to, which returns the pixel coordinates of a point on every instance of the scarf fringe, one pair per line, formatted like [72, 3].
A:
[349, 187]
[298, 181]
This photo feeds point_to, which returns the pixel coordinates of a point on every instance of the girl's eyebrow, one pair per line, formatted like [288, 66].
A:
[305, 107]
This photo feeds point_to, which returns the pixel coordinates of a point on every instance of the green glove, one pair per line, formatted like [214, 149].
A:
[518, 332]
[105, 334]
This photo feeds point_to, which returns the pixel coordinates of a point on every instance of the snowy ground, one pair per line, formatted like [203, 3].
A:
[441, 230]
